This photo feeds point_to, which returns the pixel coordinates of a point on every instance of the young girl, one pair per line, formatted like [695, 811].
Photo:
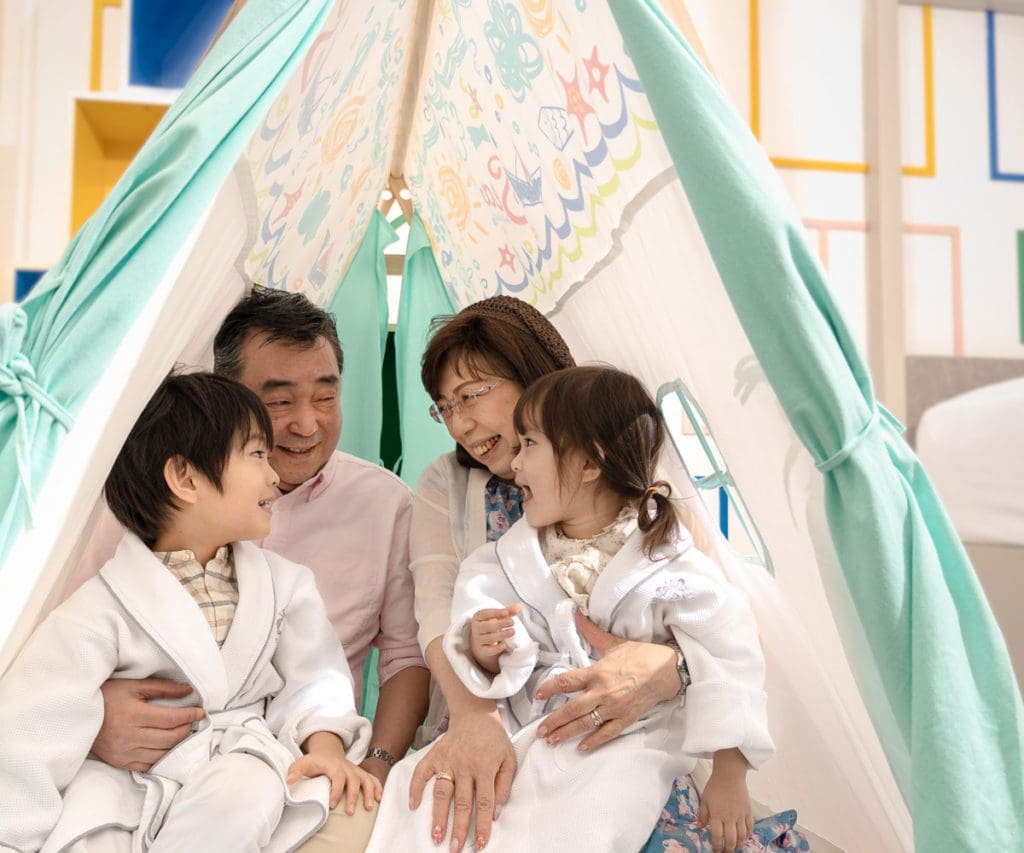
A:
[601, 535]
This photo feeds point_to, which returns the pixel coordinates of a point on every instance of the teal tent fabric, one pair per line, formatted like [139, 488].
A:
[55, 351]
[424, 297]
[360, 306]
[950, 715]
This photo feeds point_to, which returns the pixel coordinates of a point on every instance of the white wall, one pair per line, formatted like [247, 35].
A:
[45, 57]
[810, 105]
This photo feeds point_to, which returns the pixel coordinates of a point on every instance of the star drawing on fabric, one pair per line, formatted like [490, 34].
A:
[597, 71]
[574, 103]
[507, 258]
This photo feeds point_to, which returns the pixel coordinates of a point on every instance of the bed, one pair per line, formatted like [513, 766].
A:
[966, 421]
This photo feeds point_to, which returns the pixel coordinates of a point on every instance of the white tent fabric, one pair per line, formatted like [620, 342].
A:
[535, 163]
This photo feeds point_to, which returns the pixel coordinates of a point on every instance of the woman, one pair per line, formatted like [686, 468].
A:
[478, 363]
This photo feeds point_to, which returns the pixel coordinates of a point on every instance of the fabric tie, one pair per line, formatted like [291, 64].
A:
[878, 412]
[18, 382]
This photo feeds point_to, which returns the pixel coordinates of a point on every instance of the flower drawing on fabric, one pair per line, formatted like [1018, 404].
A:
[516, 55]
[672, 590]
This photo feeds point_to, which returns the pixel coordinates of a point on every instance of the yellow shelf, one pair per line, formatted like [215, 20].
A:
[108, 134]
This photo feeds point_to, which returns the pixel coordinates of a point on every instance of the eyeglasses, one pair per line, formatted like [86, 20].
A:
[467, 399]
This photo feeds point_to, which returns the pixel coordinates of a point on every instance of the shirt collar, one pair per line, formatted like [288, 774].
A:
[315, 485]
[177, 559]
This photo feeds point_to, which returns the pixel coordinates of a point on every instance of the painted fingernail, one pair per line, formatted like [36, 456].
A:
[479, 842]
[437, 835]
[583, 747]
[455, 846]
[552, 740]
[543, 730]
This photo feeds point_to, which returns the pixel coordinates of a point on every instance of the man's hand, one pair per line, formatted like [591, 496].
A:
[489, 635]
[627, 682]
[377, 768]
[135, 733]
[326, 757]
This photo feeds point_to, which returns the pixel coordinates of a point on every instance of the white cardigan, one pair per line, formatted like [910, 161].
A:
[448, 523]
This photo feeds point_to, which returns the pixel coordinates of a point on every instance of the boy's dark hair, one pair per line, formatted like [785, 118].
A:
[199, 417]
[607, 416]
[501, 335]
[282, 316]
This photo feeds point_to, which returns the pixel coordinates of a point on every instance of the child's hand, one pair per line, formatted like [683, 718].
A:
[325, 759]
[725, 803]
[489, 633]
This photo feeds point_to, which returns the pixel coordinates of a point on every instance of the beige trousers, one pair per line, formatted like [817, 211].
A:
[343, 833]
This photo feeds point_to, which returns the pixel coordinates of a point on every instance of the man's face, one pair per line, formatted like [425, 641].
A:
[301, 388]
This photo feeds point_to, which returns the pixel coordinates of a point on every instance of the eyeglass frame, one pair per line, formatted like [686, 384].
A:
[453, 408]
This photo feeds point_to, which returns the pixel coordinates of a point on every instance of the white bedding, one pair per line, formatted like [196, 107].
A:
[973, 449]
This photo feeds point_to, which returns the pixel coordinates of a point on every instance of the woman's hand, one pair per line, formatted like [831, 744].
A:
[725, 803]
[628, 680]
[473, 764]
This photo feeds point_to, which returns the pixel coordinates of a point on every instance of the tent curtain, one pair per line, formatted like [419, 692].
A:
[360, 306]
[58, 342]
[424, 297]
[950, 716]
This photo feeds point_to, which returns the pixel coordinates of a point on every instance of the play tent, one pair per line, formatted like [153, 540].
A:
[577, 155]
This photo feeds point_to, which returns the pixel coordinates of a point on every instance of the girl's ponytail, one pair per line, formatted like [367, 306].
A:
[660, 528]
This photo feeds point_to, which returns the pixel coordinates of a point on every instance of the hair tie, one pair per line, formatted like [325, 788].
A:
[659, 493]
[658, 489]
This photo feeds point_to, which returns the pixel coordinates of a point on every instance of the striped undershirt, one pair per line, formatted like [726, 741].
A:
[214, 588]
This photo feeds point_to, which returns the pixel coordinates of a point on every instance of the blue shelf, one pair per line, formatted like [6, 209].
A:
[168, 38]
[24, 281]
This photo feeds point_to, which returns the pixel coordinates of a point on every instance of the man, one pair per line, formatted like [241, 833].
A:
[346, 519]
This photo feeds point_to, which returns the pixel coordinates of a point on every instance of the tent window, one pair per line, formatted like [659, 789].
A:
[694, 442]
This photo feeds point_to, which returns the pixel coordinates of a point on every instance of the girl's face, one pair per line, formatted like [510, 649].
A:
[550, 497]
[482, 422]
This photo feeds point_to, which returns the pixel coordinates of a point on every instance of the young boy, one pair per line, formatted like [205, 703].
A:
[187, 598]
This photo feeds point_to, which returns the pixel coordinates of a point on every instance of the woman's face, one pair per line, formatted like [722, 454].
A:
[483, 425]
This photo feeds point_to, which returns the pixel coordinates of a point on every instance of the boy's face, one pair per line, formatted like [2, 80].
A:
[301, 388]
[240, 510]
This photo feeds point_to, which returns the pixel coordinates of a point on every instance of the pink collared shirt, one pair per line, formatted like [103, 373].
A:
[350, 525]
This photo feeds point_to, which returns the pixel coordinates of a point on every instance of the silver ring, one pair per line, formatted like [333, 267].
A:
[595, 718]
[446, 776]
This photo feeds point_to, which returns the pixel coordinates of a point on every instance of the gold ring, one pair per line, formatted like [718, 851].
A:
[595, 718]
[446, 776]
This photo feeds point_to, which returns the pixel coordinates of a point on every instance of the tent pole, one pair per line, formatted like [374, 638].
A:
[884, 205]
[413, 77]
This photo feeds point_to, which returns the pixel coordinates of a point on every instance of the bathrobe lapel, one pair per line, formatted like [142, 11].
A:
[527, 570]
[165, 611]
[253, 626]
[626, 572]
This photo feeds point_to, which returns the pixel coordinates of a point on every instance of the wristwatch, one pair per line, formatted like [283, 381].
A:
[681, 667]
[383, 755]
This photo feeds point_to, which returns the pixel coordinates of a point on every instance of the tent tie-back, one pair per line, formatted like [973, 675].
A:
[878, 412]
[18, 382]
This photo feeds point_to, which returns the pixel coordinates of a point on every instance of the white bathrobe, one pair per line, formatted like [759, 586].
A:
[608, 800]
[280, 676]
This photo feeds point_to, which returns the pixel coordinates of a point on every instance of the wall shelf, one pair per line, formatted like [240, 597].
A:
[108, 133]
